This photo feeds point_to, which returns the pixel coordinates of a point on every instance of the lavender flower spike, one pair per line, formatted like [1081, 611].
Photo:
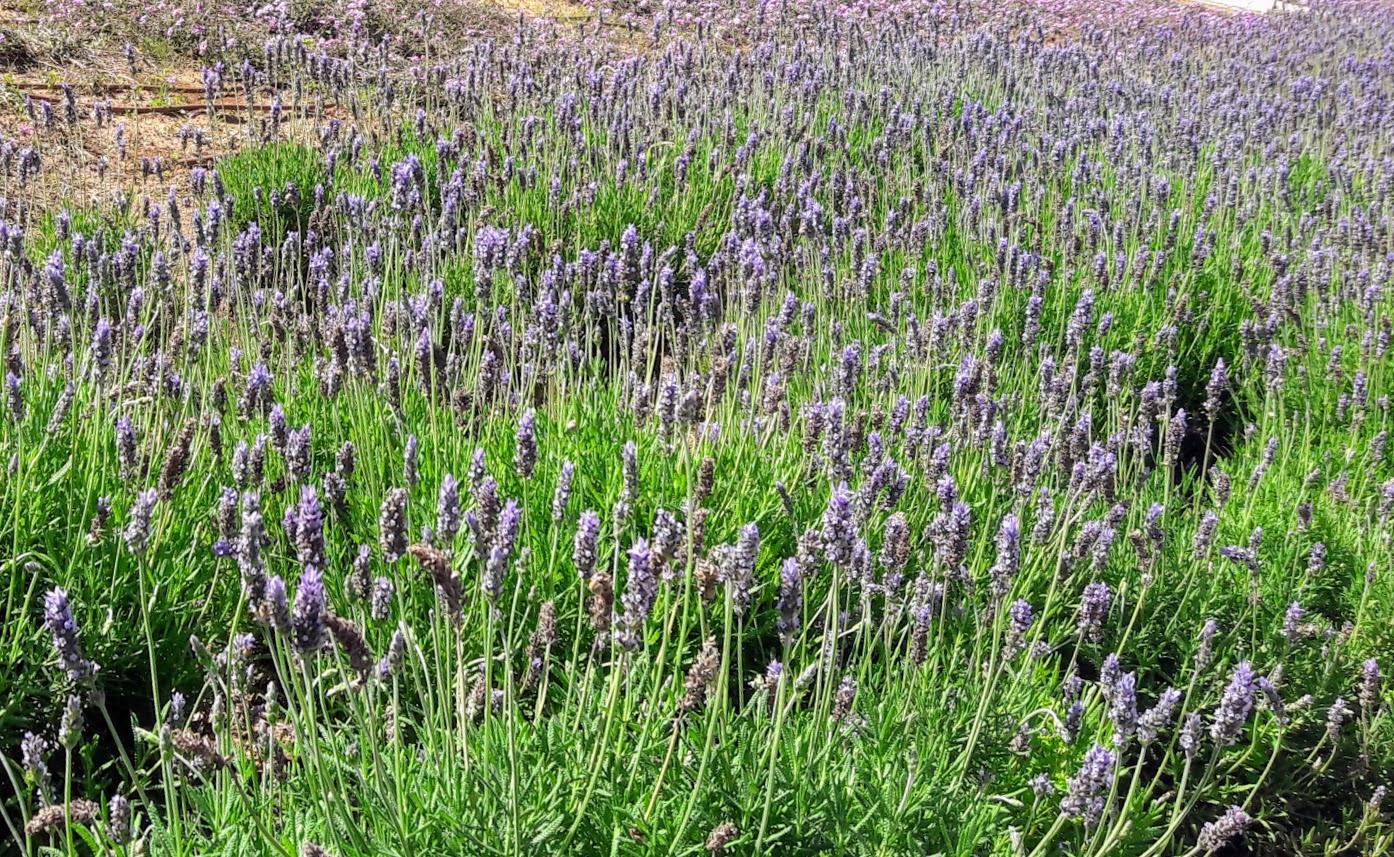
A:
[525, 455]
[307, 530]
[137, 532]
[839, 530]
[562, 497]
[583, 551]
[1219, 833]
[58, 618]
[1235, 705]
[1093, 608]
[308, 634]
[640, 592]
[790, 599]
[448, 511]
[392, 525]
[1086, 793]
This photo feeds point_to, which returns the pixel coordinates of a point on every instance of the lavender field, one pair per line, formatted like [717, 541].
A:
[882, 428]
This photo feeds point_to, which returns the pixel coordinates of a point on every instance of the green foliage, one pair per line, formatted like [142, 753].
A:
[261, 179]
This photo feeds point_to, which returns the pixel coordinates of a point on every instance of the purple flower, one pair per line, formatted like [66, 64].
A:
[308, 633]
[62, 627]
[32, 750]
[1155, 533]
[126, 453]
[1205, 533]
[410, 453]
[668, 537]
[392, 525]
[510, 519]
[1008, 557]
[583, 550]
[358, 579]
[1020, 616]
[1336, 717]
[1123, 710]
[250, 540]
[225, 515]
[1215, 389]
[14, 397]
[256, 396]
[177, 704]
[1240, 556]
[562, 498]
[346, 461]
[381, 603]
[1156, 718]
[70, 724]
[275, 607]
[1316, 560]
[137, 532]
[278, 428]
[1087, 792]
[740, 569]
[306, 529]
[1093, 609]
[1292, 623]
[119, 820]
[1192, 730]
[525, 452]
[1109, 672]
[790, 599]
[478, 470]
[640, 593]
[1235, 704]
[102, 346]
[1274, 698]
[483, 520]
[951, 534]
[1215, 835]
[895, 544]
[448, 510]
[396, 657]
[1370, 686]
[495, 569]
[1176, 432]
[298, 452]
[1206, 652]
[839, 529]
[629, 457]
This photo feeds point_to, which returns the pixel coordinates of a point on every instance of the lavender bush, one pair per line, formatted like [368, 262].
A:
[900, 429]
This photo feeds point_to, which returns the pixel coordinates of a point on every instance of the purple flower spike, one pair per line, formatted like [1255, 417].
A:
[1235, 705]
[1215, 835]
[640, 593]
[62, 627]
[583, 550]
[525, 455]
[448, 511]
[839, 529]
[306, 526]
[1087, 792]
[137, 532]
[308, 634]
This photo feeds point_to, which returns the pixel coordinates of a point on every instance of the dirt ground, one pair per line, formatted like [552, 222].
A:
[140, 130]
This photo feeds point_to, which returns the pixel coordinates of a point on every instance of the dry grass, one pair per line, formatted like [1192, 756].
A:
[555, 10]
